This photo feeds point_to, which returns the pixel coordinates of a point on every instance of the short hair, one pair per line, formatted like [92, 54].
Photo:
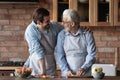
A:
[39, 14]
[72, 15]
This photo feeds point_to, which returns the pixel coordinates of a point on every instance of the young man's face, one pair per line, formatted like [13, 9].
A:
[45, 24]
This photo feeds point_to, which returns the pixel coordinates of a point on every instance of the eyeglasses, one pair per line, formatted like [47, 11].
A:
[65, 22]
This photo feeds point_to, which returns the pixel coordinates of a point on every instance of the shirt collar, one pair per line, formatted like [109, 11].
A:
[34, 23]
[78, 32]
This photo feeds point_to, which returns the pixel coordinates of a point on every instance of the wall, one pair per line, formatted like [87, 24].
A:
[14, 19]
[107, 41]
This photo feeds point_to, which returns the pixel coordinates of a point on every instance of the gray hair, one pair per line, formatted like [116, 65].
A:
[72, 15]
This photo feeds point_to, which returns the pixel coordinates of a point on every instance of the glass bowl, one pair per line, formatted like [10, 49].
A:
[23, 72]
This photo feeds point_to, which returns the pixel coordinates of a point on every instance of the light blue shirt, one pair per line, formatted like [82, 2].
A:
[33, 37]
[75, 51]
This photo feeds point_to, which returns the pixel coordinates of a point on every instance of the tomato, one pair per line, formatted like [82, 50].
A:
[23, 69]
[29, 69]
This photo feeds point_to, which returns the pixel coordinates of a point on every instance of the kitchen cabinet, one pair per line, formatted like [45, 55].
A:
[85, 9]
[103, 12]
[92, 12]
[117, 12]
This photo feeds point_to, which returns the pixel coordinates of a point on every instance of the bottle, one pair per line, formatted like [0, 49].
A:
[107, 17]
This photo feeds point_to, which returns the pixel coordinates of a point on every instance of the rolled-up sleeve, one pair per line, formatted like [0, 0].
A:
[34, 44]
[91, 49]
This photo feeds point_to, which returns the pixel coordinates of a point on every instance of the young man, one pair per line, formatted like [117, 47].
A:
[41, 36]
[75, 49]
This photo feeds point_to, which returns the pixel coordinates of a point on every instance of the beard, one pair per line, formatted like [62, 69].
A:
[43, 28]
[67, 29]
[47, 26]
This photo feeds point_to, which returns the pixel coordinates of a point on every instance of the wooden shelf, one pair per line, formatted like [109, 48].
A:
[9, 68]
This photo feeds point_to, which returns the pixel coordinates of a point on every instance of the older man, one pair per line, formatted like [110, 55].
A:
[76, 49]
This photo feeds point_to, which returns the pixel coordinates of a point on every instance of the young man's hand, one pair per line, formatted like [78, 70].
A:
[86, 28]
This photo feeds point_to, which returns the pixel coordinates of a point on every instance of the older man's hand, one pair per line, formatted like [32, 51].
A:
[69, 73]
[80, 72]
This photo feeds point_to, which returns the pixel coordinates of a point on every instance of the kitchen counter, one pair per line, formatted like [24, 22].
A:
[16, 78]
[9, 67]
[8, 70]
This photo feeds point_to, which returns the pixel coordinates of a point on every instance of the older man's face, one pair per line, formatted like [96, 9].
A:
[66, 24]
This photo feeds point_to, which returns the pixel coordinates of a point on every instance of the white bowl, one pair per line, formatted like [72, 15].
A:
[98, 75]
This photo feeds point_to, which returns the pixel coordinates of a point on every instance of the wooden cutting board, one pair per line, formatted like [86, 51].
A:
[79, 76]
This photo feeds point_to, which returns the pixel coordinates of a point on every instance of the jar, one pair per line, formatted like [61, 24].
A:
[107, 0]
